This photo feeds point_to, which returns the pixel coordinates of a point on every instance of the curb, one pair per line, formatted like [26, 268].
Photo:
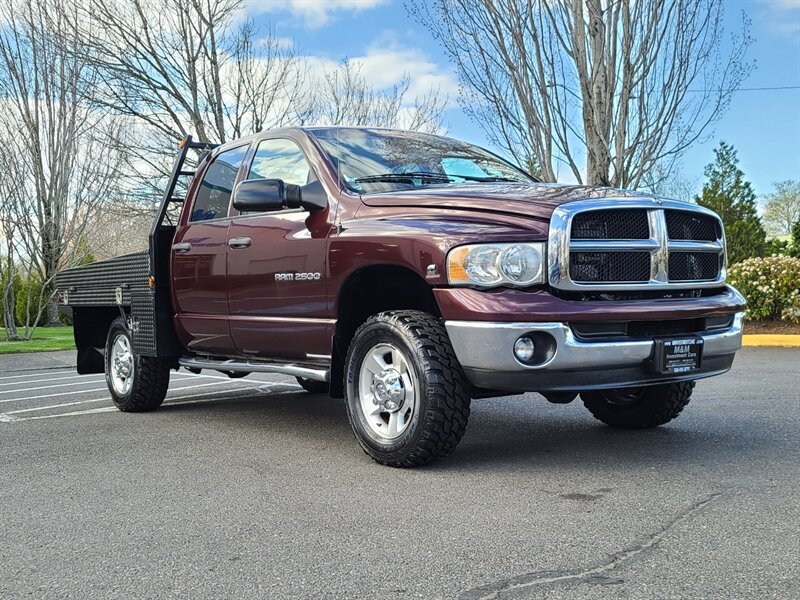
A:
[771, 340]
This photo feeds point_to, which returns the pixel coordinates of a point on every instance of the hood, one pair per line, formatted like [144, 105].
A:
[535, 200]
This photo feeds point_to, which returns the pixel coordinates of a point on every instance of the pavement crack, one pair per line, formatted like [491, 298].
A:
[593, 574]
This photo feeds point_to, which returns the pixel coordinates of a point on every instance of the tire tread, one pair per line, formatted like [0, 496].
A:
[660, 405]
[448, 396]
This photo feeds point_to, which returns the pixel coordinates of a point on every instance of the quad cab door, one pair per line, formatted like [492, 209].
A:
[277, 266]
[199, 255]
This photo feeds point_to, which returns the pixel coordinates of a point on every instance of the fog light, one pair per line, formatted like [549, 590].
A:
[524, 349]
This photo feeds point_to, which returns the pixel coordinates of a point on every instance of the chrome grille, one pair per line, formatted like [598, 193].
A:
[622, 224]
[683, 225]
[639, 244]
[693, 266]
[610, 266]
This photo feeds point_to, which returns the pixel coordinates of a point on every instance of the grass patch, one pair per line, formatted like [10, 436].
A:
[45, 339]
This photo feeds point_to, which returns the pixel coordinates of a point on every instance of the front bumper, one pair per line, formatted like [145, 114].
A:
[485, 351]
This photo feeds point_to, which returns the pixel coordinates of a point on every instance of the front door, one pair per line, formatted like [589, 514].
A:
[276, 267]
[199, 254]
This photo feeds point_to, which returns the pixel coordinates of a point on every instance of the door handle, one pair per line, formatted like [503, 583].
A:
[181, 248]
[239, 242]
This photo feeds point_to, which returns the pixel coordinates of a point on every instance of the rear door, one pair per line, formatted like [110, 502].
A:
[276, 266]
[199, 259]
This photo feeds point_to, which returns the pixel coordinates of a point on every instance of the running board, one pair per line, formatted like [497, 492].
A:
[247, 366]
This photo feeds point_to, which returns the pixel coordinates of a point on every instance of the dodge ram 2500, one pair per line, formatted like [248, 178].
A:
[408, 274]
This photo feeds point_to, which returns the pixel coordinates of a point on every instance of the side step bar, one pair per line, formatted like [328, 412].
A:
[247, 366]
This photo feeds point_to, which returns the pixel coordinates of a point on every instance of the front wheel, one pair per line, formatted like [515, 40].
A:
[137, 383]
[405, 392]
[639, 408]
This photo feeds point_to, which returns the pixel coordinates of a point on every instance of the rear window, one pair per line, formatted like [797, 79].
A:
[214, 194]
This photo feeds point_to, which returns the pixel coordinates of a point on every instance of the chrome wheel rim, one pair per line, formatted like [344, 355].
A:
[387, 392]
[121, 365]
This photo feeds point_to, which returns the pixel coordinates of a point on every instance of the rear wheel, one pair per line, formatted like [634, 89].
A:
[639, 408]
[405, 392]
[313, 386]
[137, 383]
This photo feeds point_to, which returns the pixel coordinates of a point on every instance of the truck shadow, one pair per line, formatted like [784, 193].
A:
[523, 431]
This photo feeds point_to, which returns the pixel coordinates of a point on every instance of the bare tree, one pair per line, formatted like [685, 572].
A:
[616, 85]
[782, 208]
[669, 181]
[59, 150]
[10, 184]
[182, 67]
[345, 97]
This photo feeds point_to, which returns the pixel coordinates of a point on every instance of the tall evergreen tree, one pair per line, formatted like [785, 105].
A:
[727, 193]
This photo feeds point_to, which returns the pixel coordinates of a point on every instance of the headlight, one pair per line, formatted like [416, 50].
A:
[491, 265]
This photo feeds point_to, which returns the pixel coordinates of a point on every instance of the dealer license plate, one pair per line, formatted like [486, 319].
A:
[678, 355]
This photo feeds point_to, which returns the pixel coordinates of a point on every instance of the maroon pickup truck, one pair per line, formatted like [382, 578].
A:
[408, 274]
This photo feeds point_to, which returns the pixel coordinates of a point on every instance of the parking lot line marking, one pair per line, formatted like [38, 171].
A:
[106, 398]
[30, 374]
[8, 418]
[75, 376]
[188, 387]
[51, 395]
[47, 387]
[83, 379]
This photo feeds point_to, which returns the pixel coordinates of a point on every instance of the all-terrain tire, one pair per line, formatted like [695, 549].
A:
[312, 386]
[150, 375]
[438, 419]
[654, 406]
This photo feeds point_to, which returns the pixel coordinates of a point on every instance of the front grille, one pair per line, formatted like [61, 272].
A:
[620, 224]
[693, 266]
[682, 225]
[634, 244]
[626, 267]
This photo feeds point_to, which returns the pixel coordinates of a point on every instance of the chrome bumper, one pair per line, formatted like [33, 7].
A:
[485, 351]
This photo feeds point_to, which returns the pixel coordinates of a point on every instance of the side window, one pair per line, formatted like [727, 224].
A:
[214, 194]
[281, 159]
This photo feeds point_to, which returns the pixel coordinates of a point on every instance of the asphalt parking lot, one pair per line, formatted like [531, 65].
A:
[252, 488]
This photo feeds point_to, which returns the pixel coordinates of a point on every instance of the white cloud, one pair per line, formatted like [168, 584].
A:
[315, 13]
[386, 61]
[784, 4]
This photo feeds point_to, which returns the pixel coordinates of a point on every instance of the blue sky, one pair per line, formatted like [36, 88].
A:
[763, 125]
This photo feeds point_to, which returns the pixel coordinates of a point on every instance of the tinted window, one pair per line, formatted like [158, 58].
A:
[215, 190]
[281, 159]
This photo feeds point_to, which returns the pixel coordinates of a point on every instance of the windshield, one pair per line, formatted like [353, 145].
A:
[378, 160]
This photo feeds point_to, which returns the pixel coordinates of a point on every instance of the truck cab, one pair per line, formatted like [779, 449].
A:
[408, 274]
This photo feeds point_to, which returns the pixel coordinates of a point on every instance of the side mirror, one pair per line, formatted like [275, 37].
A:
[263, 195]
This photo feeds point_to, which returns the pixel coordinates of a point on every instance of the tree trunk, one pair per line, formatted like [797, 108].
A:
[53, 317]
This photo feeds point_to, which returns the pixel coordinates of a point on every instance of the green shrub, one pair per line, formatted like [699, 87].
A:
[771, 286]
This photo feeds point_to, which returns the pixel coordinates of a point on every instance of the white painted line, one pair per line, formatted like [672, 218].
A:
[47, 387]
[52, 395]
[7, 418]
[181, 376]
[33, 374]
[107, 399]
[188, 387]
[75, 376]
[83, 379]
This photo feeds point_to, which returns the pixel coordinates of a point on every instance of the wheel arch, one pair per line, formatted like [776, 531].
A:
[368, 291]
[90, 328]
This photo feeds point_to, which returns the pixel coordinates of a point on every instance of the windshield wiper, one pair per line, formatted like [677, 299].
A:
[488, 178]
[424, 175]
